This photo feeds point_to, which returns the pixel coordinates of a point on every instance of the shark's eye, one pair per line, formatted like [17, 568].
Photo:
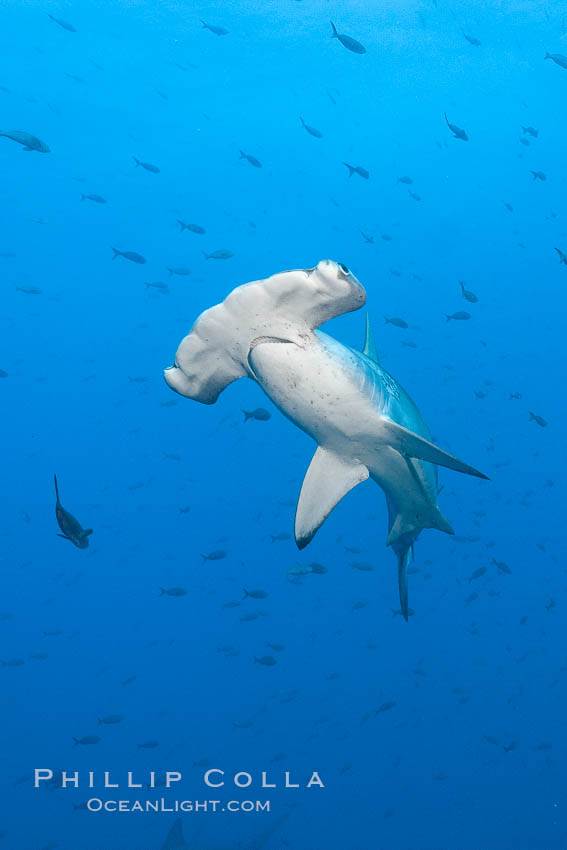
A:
[343, 268]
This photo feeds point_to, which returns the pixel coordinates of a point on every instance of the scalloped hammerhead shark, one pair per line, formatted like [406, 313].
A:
[364, 423]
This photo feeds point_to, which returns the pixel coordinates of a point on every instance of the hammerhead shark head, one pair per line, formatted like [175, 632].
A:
[364, 423]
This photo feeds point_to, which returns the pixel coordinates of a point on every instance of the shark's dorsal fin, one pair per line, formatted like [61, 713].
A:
[327, 480]
[412, 445]
[369, 348]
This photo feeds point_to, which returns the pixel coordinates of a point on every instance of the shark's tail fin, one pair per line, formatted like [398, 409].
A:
[335, 33]
[117, 253]
[56, 487]
[350, 169]
[137, 161]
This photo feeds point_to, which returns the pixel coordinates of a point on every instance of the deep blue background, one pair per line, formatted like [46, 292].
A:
[423, 774]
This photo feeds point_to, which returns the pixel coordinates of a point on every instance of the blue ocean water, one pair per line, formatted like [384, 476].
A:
[445, 732]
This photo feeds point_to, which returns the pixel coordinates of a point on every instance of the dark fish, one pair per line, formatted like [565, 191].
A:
[477, 574]
[502, 566]
[214, 29]
[3, 374]
[317, 134]
[386, 706]
[558, 58]
[539, 175]
[508, 206]
[472, 40]
[415, 196]
[524, 142]
[515, 395]
[539, 419]
[367, 238]
[63, 24]
[457, 132]
[110, 719]
[148, 745]
[460, 315]
[407, 181]
[251, 159]
[157, 284]
[129, 255]
[179, 270]
[350, 43]
[531, 131]
[28, 142]
[562, 257]
[172, 591]
[282, 536]
[147, 165]
[220, 254]
[357, 169]
[259, 413]
[217, 555]
[467, 294]
[266, 660]
[71, 528]
[29, 290]
[98, 199]
[87, 739]
[255, 594]
[194, 228]
[394, 320]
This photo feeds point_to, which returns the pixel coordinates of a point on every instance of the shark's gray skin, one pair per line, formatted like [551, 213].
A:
[363, 421]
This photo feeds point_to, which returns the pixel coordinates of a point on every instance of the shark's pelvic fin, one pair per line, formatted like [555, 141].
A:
[327, 480]
[405, 524]
[369, 348]
[412, 445]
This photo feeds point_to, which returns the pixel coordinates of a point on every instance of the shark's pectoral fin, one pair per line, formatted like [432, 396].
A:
[412, 445]
[327, 480]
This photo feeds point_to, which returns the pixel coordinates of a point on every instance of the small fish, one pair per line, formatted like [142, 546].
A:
[71, 528]
[350, 43]
[282, 536]
[157, 284]
[362, 566]
[147, 165]
[194, 228]
[415, 196]
[178, 270]
[299, 570]
[28, 142]
[558, 58]
[148, 745]
[87, 740]
[110, 719]
[460, 315]
[29, 290]
[397, 322]
[251, 159]
[129, 255]
[357, 169]
[63, 24]
[172, 591]
[477, 574]
[277, 647]
[472, 40]
[539, 419]
[562, 257]
[468, 295]
[98, 199]
[220, 254]
[514, 396]
[407, 181]
[214, 29]
[317, 134]
[248, 618]
[367, 238]
[457, 132]
[530, 131]
[508, 206]
[539, 175]
[259, 413]
[386, 706]
[255, 594]
[216, 555]
[266, 660]
[502, 566]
